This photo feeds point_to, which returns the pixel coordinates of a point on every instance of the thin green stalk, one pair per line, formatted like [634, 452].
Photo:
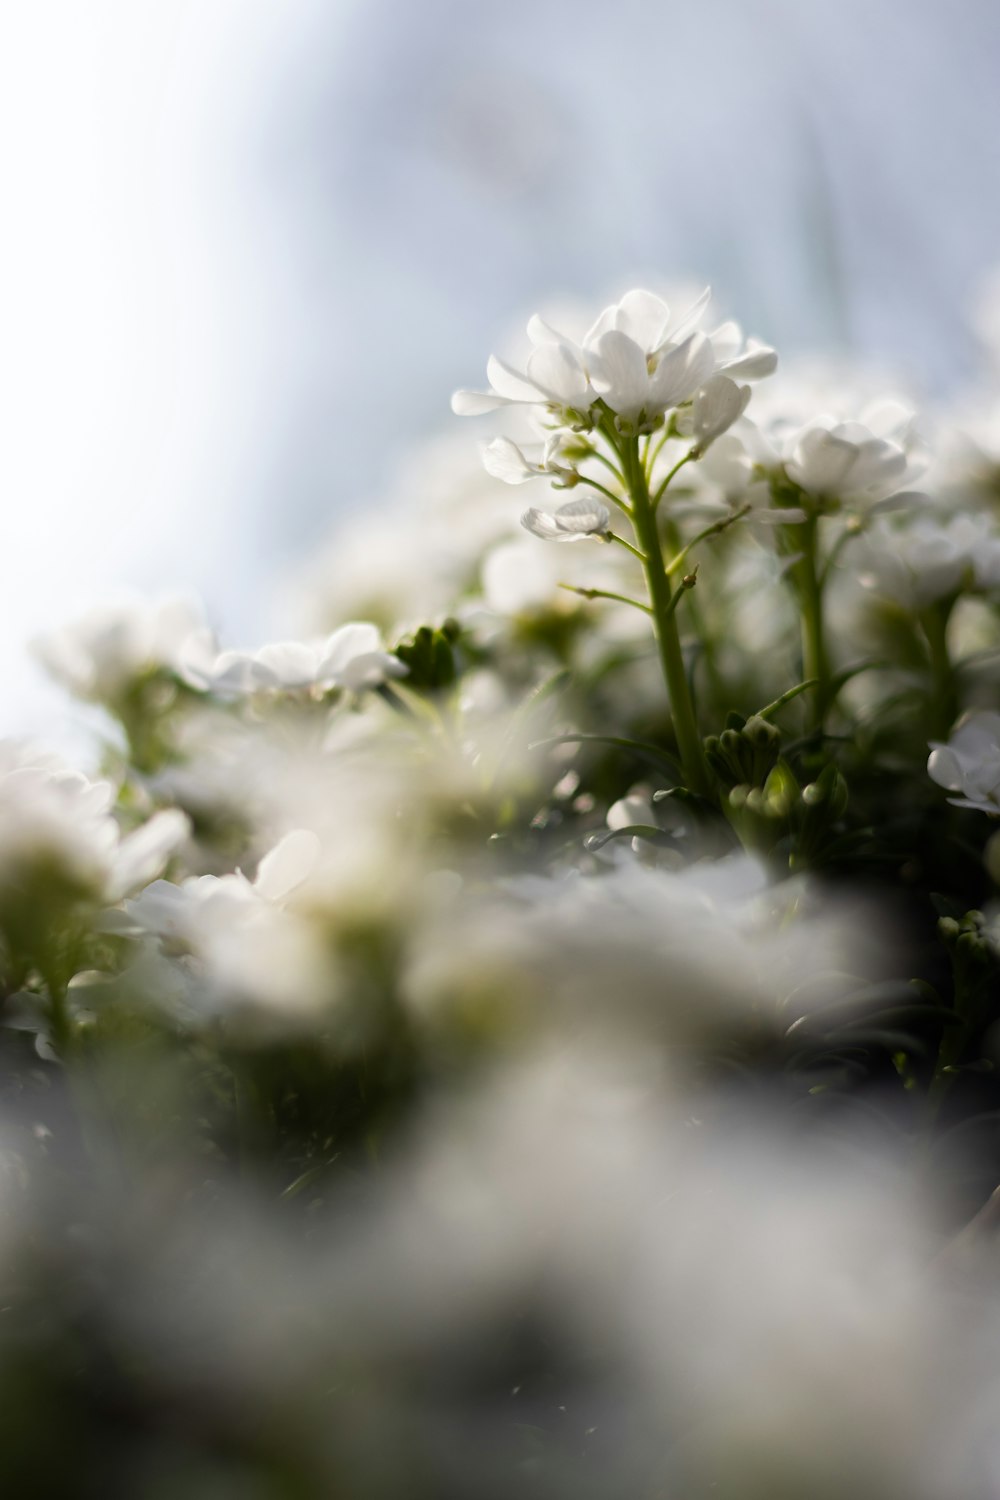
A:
[572, 588]
[697, 775]
[60, 1026]
[944, 692]
[602, 489]
[665, 483]
[815, 655]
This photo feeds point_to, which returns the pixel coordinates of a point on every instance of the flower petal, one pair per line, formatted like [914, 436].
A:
[682, 370]
[504, 460]
[475, 403]
[618, 373]
[287, 865]
[509, 383]
[557, 372]
[572, 522]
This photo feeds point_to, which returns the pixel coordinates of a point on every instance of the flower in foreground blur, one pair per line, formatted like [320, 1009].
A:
[970, 763]
[636, 359]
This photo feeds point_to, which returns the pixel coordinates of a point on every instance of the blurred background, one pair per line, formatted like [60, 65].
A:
[250, 247]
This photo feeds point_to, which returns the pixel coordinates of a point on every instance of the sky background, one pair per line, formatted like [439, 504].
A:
[250, 246]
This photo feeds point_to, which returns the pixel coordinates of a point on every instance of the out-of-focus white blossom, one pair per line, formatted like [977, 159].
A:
[930, 558]
[570, 523]
[682, 951]
[58, 837]
[862, 463]
[236, 944]
[970, 763]
[351, 658]
[101, 655]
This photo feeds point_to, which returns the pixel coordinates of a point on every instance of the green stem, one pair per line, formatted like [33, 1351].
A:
[664, 483]
[697, 775]
[815, 656]
[60, 1026]
[944, 693]
[603, 490]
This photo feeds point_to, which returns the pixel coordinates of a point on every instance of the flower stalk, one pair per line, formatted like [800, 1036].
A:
[663, 603]
[815, 653]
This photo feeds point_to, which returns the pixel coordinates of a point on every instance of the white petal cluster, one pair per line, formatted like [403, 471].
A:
[570, 523]
[101, 655]
[862, 463]
[59, 840]
[970, 763]
[234, 941]
[715, 929]
[505, 460]
[929, 558]
[352, 658]
[715, 408]
[636, 359]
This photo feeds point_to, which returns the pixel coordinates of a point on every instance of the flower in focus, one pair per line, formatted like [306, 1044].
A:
[503, 459]
[715, 408]
[970, 763]
[636, 359]
[570, 523]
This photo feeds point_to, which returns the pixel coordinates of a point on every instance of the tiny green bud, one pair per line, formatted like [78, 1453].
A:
[760, 733]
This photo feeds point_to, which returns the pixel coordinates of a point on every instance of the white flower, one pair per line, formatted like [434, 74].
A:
[862, 463]
[570, 523]
[505, 460]
[99, 656]
[634, 809]
[59, 840]
[234, 938]
[931, 558]
[715, 408]
[970, 763]
[635, 359]
[351, 658]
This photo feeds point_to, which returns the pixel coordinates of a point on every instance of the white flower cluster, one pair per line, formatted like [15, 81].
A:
[463, 1105]
[636, 360]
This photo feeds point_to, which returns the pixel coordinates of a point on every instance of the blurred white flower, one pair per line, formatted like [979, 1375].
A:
[930, 558]
[351, 658]
[861, 463]
[636, 945]
[99, 656]
[970, 763]
[59, 841]
[570, 523]
[236, 944]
